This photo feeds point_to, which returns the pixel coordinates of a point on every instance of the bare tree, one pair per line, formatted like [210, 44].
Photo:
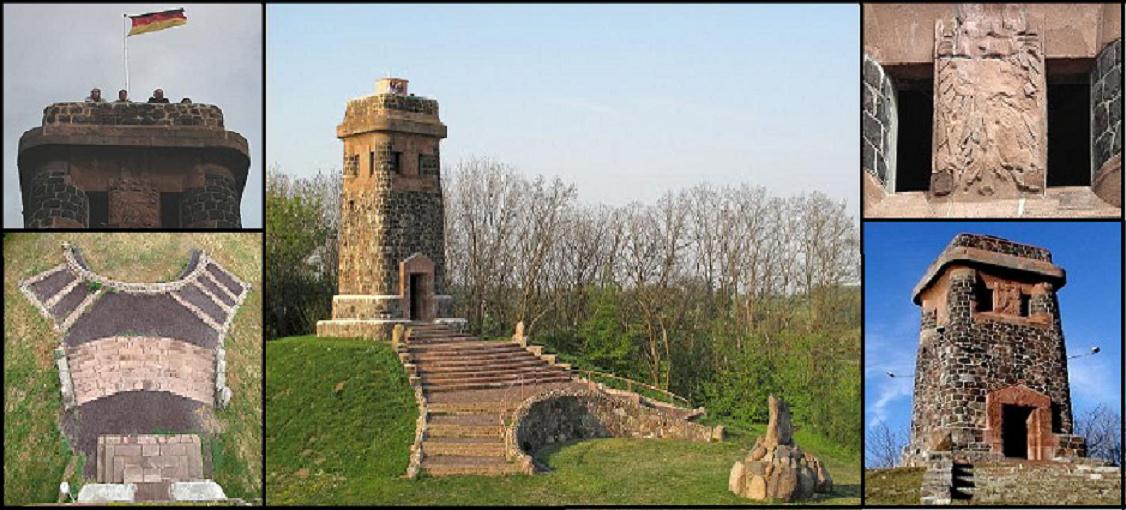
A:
[883, 446]
[1102, 427]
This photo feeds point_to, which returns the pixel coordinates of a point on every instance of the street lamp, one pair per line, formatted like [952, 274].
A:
[1094, 350]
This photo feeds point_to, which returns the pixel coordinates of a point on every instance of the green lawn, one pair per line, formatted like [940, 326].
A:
[36, 453]
[340, 421]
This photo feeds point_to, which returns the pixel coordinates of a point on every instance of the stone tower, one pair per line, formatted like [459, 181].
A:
[132, 165]
[991, 371]
[392, 244]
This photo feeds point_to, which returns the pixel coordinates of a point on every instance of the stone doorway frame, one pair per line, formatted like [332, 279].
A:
[1042, 443]
[418, 264]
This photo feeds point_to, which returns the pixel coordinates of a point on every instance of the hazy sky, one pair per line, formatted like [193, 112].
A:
[625, 101]
[897, 254]
[56, 53]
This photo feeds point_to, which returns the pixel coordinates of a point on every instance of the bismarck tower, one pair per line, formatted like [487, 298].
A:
[991, 372]
[392, 230]
[132, 165]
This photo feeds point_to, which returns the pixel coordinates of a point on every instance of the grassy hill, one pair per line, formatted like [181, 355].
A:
[341, 421]
[36, 454]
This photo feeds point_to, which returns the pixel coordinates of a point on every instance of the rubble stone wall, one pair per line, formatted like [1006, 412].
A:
[215, 205]
[1048, 484]
[134, 114]
[51, 200]
[1106, 106]
[877, 139]
[568, 414]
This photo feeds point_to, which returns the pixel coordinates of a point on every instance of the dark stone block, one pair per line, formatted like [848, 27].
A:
[1100, 113]
[871, 73]
[871, 129]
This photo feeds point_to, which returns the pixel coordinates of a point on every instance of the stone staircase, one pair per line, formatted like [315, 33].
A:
[962, 483]
[471, 386]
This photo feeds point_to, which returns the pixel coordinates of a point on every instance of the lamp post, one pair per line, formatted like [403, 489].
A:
[1091, 352]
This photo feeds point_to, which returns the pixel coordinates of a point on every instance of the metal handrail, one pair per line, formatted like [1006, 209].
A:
[630, 383]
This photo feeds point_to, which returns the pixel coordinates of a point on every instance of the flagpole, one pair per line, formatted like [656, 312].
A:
[125, 53]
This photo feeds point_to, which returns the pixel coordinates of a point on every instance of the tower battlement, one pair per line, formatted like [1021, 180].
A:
[132, 165]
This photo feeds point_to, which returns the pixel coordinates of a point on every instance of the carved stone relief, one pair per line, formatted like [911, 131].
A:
[990, 119]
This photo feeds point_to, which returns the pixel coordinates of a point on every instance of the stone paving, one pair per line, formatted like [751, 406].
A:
[146, 458]
[137, 357]
[103, 367]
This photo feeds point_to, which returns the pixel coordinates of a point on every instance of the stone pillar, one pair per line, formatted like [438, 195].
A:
[51, 200]
[133, 203]
[215, 204]
[990, 122]
[1106, 124]
[878, 134]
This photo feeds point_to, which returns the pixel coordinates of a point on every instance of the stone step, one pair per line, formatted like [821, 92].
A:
[469, 420]
[454, 408]
[443, 465]
[464, 358]
[439, 339]
[486, 370]
[439, 430]
[512, 376]
[470, 366]
[464, 447]
[492, 384]
[450, 348]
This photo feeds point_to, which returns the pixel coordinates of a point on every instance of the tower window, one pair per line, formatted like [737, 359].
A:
[99, 208]
[170, 210]
[1025, 300]
[984, 297]
[395, 167]
[913, 142]
[371, 163]
[1069, 124]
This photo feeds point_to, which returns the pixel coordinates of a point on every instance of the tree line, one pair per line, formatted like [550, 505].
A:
[722, 294]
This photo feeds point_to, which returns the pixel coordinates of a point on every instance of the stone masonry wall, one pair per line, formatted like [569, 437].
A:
[568, 414]
[216, 205]
[51, 197]
[134, 114]
[1106, 106]
[877, 139]
[397, 223]
[1049, 484]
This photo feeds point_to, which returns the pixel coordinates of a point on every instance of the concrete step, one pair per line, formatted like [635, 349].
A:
[438, 430]
[464, 447]
[443, 465]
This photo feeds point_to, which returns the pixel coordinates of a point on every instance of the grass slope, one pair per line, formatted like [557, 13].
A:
[340, 421]
[36, 453]
[893, 486]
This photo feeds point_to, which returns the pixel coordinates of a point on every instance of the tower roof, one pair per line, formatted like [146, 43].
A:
[991, 251]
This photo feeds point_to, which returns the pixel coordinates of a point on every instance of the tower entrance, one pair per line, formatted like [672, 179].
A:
[1014, 430]
[416, 293]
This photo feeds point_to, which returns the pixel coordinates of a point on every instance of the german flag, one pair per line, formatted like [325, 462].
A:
[153, 21]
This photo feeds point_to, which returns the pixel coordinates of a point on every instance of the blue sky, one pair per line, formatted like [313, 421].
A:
[624, 101]
[897, 254]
